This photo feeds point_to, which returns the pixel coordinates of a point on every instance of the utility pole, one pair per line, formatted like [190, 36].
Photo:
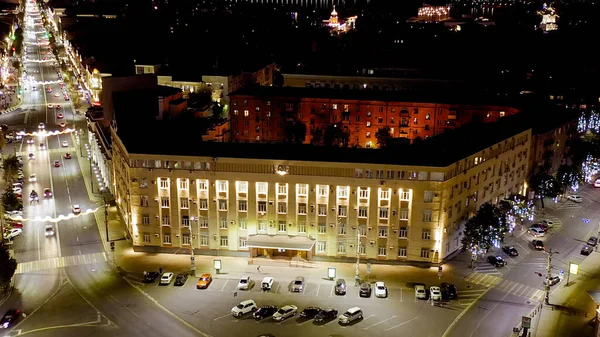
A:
[548, 275]
[91, 174]
[106, 218]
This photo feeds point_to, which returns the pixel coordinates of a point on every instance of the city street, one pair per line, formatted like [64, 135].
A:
[74, 299]
[517, 289]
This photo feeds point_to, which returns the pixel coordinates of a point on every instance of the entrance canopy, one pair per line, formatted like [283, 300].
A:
[280, 242]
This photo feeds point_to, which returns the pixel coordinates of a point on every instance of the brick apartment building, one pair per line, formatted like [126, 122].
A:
[260, 114]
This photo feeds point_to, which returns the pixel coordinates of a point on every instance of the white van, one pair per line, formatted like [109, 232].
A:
[351, 315]
[266, 283]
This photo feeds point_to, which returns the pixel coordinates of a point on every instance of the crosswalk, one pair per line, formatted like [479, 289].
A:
[61, 262]
[511, 287]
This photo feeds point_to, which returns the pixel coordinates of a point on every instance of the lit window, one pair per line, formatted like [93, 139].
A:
[384, 194]
[282, 189]
[426, 234]
[261, 188]
[302, 190]
[342, 191]
[363, 193]
[262, 207]
[222, 186]
[246, 113]
[323, 190]
[242, 187]
[183, 184]
[222, 204]
[184, 203]
[322, 209]
[384, 212]
[164, 202]
[342, 210]
[203, 185]
[281, 208]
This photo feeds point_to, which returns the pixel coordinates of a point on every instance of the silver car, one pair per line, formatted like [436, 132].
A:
[298, 285]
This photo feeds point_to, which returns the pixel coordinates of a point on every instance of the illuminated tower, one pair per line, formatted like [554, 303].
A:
[549, 18]
[333, 18]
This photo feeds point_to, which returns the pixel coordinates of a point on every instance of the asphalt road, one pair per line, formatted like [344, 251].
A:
[106, 305]
[502, 307]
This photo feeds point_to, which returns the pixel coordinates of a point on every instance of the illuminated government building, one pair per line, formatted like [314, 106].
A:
[403, 203]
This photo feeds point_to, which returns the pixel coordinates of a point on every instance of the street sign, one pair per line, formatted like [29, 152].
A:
[561, 272]
[368, 267]
[526, 322]
[331, 273]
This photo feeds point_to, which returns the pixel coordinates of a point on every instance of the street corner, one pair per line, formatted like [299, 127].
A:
[10, 109]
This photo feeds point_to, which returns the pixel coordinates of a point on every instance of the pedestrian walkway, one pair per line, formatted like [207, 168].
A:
[61, 262]
[507, 286]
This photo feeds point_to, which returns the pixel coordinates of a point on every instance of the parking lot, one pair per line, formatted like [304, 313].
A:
[210, 309]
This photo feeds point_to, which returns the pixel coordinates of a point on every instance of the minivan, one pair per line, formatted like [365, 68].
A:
[351, 315]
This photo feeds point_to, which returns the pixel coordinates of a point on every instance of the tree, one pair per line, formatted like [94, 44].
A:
[569, 176]
[484, 230]
[11, 166]
[516, 207]
[2, 140]
[8, 266]
[335, 136]
[299, 132]
[383, 135]
[217, 110]
[544, 186]
[10, 202]
[317, 136]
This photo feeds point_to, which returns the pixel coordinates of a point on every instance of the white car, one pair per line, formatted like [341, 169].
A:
[17, 190]
[30, 141]
[42, 146]
[50, 106]
[435, 293]
[65, 143]
[597, 183]
[244, 283]
[9, 235]
[41, 126]
[49, 230]
[380, 289]
[575, 198]
[166, 278]
[548, 223]
[420, 292]
[243, 308]
[76, 209]
[536, 232]
[285, 312]
[32, 178]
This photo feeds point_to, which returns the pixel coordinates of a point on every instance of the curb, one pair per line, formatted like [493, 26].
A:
[11, 109]
[7, 295]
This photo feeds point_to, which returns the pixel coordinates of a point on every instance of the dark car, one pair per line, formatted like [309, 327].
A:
[326, 315]
[150, 277]
[180, 279]
[264, 312]
[510, 251]
[586, 250]
[592, 241]
[9, 318]
[340, 287]
[538, 245]
[553, 280]
[310, 312]
[449, 290]
[496, 261]
[365, 290]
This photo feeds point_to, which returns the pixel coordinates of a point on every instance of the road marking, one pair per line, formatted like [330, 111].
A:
[224, 284]
[331, 292]
[366, 318]
[307, 321]
[319, 288]
[77, 238]
[385, 320]
[401, 324]
[513, 287]
[131, 311]
[79, 251]
[401, 298]
[526, 289]
[218, 318]
[462, 313]
[519, 289]
[277, 289]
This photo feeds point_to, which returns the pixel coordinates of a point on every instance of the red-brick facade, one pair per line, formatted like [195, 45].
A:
[264, 118]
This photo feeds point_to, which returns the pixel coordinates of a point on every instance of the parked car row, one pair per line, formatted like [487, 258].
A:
[444, 292]
[589, 246]
[320, 315]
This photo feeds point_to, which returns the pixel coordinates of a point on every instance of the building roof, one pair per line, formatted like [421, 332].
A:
[439, 151]
[432, 96]
[164, 91]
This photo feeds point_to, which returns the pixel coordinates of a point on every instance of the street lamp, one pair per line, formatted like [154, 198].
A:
[550, 253]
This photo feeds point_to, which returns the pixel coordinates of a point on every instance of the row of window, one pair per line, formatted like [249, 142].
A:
[186, 240]
[381, 250]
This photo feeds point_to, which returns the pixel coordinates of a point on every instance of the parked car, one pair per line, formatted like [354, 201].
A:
[9, 318]
[285, 312]
[365, 290]
[536, 232]
[12, 233]
[586, 250]
[180, 279]
[267, 283]
[553, 280]
[298, 285]
[548, 223]
[340, 287]
[420, 292]
[243, 308]
[435, 293]
[310, 312]
[592, 241]
[449, 290]
[204, 281]
[326, 314]
[47, 193]
[538, 245]
[265, 311]
[541, 226]
[510, 251]
[496, 261]
[351, 315]
[575, 198]
[244, 283]
[380, 289]
[166, 278]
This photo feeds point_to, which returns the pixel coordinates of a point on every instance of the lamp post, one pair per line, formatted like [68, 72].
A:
[357, 275]
[548, 275]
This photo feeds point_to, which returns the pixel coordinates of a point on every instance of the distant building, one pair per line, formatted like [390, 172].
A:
[337, 25]
[434, 13]
[549, 18]
[261, 114]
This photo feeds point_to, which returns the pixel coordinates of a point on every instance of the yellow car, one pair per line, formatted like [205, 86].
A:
[204, 281]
